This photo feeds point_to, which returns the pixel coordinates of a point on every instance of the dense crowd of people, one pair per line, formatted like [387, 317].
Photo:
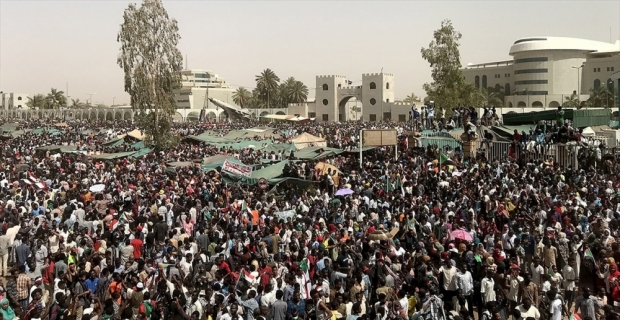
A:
[404, 236]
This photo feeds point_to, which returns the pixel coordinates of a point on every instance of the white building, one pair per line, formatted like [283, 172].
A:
[197, 86]
[13, 100]
[544, 71]
[337, 100]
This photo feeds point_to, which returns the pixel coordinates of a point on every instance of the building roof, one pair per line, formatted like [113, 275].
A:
[561, 43]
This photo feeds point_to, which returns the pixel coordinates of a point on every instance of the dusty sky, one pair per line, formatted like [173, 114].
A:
[45, 44]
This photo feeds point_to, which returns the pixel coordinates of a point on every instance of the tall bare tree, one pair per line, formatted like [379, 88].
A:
[151, 61]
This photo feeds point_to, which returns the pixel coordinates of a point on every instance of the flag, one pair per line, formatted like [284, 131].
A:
[588, 254]
[303, 265]
[443, 158]
[575, 316]
[245, 275]
[32, 177]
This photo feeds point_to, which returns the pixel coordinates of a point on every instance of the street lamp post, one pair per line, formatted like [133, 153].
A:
[91, 98]
[578, 87]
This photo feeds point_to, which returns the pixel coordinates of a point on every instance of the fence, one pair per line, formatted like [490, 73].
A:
[563, 154]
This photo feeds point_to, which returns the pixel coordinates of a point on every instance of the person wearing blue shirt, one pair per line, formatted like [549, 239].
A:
[296, 303]
[92, 282]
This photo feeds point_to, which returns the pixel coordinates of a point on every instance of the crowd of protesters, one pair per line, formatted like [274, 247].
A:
[412, 238]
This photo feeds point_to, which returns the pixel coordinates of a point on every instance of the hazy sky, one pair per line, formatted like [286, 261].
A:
[45, 44]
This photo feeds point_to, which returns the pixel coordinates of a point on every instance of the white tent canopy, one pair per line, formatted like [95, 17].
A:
[305, 140]
[588, 132]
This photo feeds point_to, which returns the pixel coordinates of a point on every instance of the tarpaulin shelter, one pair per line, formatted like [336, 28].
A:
[112, 156]
[317, 152]
[305, 140]
[136, 134]
[142, 152]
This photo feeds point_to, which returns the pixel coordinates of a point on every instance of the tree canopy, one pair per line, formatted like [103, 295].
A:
[151, 61]
[449, 88]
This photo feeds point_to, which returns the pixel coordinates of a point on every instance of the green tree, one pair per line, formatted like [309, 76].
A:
[242, 97]
[411, 98]
[291, 91]
[76, 104]
[571, 101]
[56, 99]
[151, 62]
[39, 101]
[601, 97]
[267, 84]
[444, 57]
[491, 98]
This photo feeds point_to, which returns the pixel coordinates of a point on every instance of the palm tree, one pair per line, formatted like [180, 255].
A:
[410, 99]
[56, 99]
[600, 97]
[297, 92]
[36, 102]
[76, 104]
[242, 97]
[490, 97]
[571, 101]
[267, 84]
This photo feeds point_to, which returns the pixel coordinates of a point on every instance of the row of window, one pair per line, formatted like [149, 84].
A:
[531, 82]
[542, 70]
[609, 69]
[536, 59]
[373, 101]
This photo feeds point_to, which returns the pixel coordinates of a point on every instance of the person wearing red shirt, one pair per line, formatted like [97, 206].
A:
[136, 243]
[222, 264]
[265, 273]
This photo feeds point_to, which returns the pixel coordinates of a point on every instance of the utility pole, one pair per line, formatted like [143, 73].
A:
[90, 101]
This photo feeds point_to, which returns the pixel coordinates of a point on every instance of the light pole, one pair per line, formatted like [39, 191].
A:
[91, 98]
[578, 88]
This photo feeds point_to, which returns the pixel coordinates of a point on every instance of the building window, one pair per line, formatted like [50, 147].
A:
[594, 69]
[311, 114]
[325, 102]
[387, 116]
[402, 117]
[325, 117]
[484, 82]
[19, 98]
[526, 60]
[373, 85]
[477, 82]
[597, 84]
[325, 87]
[373, 117]
[607, 69]
[612, 68]
[598, 69]
[339, 86]
[532, 82]
[19, 106]
[373, 101]
[531, 71]
[610, 85]
[507, 89]
[387, 100]
[387, 85]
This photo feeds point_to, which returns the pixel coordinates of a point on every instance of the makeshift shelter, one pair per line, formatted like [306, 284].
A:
[215, 161]
[317, 152]
[112, 156]
[305, 140]
[588, 132]
[136, 134]
[141, 152]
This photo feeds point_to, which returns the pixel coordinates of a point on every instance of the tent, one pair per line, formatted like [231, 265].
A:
[305, 140]
[142, 152]
[588, 132]
[112, 156]
[317, 152]
[136, 134]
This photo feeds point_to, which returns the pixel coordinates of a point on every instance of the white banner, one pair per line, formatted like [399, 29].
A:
[237, 169]
[285, 214]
